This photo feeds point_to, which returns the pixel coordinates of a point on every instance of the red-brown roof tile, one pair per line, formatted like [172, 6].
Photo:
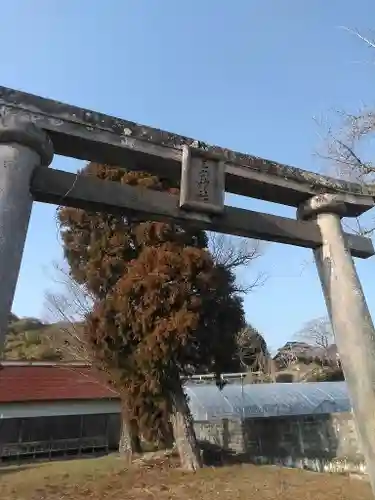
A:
[51, 383]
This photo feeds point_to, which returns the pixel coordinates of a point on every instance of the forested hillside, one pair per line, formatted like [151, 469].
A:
[31, 339]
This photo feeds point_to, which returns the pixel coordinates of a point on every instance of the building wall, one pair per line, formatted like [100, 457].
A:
[226, 434]
[58, 434]
[49, 408]
[317, 442]
[325, 442]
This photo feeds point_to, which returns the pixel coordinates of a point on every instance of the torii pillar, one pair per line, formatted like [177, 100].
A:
[351, 320]
[23, 146]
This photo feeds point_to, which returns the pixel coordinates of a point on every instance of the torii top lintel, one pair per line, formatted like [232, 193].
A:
[94, 136]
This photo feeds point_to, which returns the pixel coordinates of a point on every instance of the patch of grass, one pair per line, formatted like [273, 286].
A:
[108, 478]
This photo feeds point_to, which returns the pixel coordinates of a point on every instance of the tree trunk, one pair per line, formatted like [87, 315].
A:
[183, 430]
[166, 441]
[134, 436]
[129, 438]
[125, 444]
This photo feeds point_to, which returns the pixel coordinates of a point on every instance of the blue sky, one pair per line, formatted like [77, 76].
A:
[249, 75]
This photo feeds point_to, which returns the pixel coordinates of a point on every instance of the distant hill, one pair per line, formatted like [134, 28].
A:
[31, 339]
[302, 362]
[306, 353]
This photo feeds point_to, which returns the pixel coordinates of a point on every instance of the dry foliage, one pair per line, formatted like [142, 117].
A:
[106, 478]
[161, 305]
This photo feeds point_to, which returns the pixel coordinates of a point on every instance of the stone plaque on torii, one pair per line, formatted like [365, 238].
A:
[32, 129]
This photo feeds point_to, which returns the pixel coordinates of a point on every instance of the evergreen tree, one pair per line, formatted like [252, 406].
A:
[163, 308]
[252, 350]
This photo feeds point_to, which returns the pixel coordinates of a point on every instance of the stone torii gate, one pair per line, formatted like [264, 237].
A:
[32, 129]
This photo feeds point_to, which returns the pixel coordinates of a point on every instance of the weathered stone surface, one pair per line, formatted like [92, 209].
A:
[94, 136]
[344, 205]
[26, 149]
[58, 187]
[351, 322]
[202, 183]
[15, 129]
[324, 442]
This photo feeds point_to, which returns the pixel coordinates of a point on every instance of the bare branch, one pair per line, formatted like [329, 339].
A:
[344, 148]
[317, 332]
[76, 298]
[348, 146]
[344, 153]
[370, 43]
[287, 357]
[234, 253]
[67, 310]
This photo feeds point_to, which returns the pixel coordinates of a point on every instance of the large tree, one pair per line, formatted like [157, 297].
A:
[162, 306]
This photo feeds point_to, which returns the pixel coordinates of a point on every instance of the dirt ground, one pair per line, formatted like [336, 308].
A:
[106, 478]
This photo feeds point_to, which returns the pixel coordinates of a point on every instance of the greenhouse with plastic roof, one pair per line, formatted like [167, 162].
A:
[308, 425]
[236, 400]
